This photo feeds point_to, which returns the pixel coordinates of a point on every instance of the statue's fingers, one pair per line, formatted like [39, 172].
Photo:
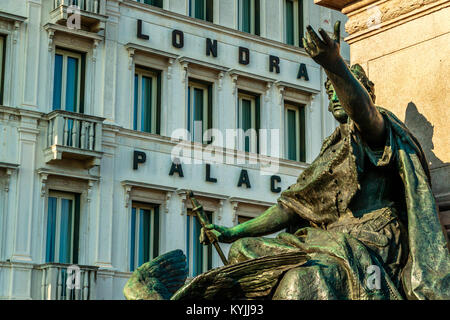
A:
[310, 44]
[325, 36]
[337, 31]
[314, 37]
[307, 47]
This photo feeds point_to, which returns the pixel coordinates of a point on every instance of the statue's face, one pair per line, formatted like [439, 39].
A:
[335, 105]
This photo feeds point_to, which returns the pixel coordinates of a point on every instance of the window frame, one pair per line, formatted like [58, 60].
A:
[2, 66]
[154, 246]
[191, 220]
[154, 75]
[75, 223]
[208, 14]
[65, 53]
[194, 84]
[255, 18]
[298, 22]
[299, 110]
[254, 105]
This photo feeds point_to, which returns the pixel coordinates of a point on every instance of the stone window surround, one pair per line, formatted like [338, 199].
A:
[9, 27]
[247, 208]
[80, 41]
[72, 183]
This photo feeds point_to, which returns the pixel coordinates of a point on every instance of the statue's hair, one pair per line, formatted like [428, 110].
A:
[360, 74]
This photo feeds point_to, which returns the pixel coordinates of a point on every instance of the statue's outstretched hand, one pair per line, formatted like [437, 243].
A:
[221, 234]
[325, 52]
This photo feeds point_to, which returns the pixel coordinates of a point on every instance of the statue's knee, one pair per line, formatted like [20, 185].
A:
[237, 249]
[289, 286]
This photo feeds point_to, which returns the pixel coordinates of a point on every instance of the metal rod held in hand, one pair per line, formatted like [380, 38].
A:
[197, 208]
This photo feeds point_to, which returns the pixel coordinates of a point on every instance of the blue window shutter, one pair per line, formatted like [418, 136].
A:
[292, 135]
[57, 82]
[290, 22]
[188, 240]
[51, 229]
[146, 113]
[136, 102]
[65, 237]
[72, 84]
[146, 222]
[132, 239]
[156, 233]
[246, 121]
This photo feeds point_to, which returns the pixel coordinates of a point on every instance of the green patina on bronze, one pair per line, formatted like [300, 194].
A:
[364, 204]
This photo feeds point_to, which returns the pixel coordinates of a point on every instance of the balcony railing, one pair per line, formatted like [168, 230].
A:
[57, 281]
[92, 13]
[73, 135]
[92, 6]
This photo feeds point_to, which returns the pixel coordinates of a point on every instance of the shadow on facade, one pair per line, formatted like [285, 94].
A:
[423, 130]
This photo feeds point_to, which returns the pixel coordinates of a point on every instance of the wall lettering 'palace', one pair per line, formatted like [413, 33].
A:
[140, 157]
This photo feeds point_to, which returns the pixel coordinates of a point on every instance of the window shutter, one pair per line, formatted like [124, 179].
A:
[156, 232]
[51, 228]
[210, 111]
[82, 82]
[57, 82]
[302, 135]
[209, 10]
[300, 22]
[257, 18]
[76, 230]
[158, 104]
[158, 3]
[257, 120]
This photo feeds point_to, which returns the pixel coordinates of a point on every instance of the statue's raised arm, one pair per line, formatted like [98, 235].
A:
[354, 98]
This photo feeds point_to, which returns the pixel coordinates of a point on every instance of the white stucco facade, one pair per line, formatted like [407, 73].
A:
[33, 164]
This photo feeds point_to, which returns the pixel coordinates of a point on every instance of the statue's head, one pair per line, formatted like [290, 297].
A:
[335, 106]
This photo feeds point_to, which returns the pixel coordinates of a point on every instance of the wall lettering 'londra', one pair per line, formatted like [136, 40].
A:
[212, 49]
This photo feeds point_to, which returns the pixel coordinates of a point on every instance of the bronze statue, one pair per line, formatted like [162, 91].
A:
[363, 209]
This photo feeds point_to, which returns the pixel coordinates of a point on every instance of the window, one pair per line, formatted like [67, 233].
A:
[199, 257]
[201, 9]
[68, 80]
[295, 131]
[156, 3]
[199, 109]
[2, 66]
[249, 121]
[62, 227]
[147, 101]
[248, 15]
[294, 22]
[242, 219]
[144, 236]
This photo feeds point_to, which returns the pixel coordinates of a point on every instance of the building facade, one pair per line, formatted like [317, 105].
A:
[110, 110]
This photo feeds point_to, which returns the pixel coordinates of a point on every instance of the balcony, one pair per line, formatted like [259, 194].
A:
[50, 282]
[73, 136]
[92, 13]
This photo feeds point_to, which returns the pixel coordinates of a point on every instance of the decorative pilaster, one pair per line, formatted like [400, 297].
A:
[184, 71]
[220, 82]
[234, 209]
[234, 80]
